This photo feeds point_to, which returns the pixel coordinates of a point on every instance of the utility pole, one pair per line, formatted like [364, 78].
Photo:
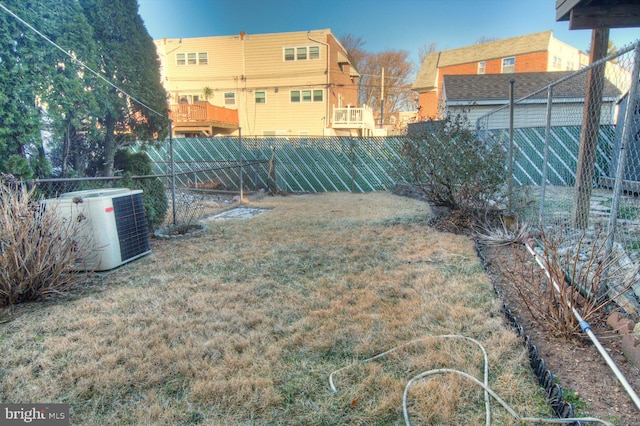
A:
[382, 100]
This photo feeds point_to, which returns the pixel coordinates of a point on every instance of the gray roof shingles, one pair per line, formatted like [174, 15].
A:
[477, 87]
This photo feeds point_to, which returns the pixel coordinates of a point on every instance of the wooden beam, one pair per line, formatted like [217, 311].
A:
[590, 130]
[563, 9]
[614, 16]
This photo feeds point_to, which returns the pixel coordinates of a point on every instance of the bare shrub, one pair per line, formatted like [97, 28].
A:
[501, 234]
[451, 166]
[189, 208]
[573, 275]
[38, 251]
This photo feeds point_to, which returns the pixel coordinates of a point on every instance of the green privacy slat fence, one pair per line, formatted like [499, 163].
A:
[293, 164]
[354, 164]
[564, 143]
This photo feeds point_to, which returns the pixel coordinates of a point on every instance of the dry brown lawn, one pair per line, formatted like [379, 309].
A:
[244, 324]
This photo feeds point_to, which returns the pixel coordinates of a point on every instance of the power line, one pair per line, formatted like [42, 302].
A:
[82, 64]
[385, 77]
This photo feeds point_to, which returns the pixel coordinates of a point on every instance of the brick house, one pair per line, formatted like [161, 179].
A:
[282, 84]
[538, 52]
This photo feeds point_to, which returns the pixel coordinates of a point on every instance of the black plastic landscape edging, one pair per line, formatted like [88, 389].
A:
[560, 407]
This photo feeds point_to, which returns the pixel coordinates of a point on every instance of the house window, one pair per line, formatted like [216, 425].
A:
[482, 67]
[192, 58]
[230, 98]
[307, 96]
[557, 62]
[508, 65]
[301, 53]
[261, 97]
[289, 54]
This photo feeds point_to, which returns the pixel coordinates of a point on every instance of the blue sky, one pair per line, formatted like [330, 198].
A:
[383, 24]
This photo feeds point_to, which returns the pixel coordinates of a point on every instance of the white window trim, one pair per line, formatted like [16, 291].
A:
[301, 101]
[514, 64]
[255, 99]
[185, 56]
[284, 54]
[225, 98]
[482, 68]
[309, 53]
[295, 53]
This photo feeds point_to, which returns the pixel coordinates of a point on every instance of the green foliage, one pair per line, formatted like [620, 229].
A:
[128, 57]
[154, 196]
[451, 166]
[571, 397]
[18, 166]
[21, 58]
[38, 251]
[42, 89]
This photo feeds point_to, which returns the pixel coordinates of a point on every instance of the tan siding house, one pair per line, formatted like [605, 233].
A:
[285, 84]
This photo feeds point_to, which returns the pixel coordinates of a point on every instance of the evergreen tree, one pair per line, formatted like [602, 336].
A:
[128, 59]
[70, 96]
[20, 78]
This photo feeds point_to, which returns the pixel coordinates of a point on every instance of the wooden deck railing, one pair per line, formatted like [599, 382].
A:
[353, 118]
[204, 112]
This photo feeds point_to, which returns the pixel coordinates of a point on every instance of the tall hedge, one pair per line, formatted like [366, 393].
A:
[154, 196]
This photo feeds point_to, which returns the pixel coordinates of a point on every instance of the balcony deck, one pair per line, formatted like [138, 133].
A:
[203, 118]
[352, 118]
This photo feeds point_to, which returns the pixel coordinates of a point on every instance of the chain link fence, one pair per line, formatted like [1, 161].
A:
[183, 194]
[575, 153]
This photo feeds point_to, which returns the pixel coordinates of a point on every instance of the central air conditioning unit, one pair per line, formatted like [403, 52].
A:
[116, 228]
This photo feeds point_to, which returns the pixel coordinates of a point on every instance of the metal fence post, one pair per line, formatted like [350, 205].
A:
[173, 173]
[510, 190]
[353, 167]
[547, 138]
[272, 169]
[624, 143]
[240, 161]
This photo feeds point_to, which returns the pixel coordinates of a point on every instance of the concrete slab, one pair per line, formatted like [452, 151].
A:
[237, 213]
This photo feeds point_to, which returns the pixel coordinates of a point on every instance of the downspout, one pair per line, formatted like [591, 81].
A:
[327, 120]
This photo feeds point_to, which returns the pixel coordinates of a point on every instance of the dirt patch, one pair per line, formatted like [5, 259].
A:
[577, 366]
